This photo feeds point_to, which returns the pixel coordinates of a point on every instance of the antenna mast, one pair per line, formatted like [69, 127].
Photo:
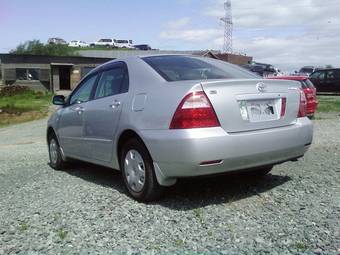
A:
[228, 28]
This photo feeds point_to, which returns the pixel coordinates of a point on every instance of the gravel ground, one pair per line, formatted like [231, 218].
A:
[294, 210]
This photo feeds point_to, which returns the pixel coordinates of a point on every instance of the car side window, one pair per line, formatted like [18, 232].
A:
[337, 74]
[322, 76]
[111, 82]
[83, 94]
[330, 75]
[315, 75]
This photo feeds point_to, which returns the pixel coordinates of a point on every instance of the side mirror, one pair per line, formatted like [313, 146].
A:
[58, 100]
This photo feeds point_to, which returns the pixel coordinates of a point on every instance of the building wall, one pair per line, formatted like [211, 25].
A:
[235, 59]
[9, 76]
[51, 82]
[77, 73]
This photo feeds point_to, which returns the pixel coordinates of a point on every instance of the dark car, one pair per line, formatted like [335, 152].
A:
[255, 69]
[260, 68]
[142, 47]
[326, 80]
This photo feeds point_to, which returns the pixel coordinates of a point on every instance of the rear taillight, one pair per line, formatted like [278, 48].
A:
[303, 105]
[195, 111]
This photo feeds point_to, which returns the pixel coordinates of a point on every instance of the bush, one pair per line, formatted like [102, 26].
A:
[13, 90]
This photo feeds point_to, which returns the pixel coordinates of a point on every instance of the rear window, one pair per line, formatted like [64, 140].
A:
[309, 84]
[180, 68]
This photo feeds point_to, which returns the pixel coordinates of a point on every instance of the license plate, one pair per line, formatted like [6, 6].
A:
[259, 110]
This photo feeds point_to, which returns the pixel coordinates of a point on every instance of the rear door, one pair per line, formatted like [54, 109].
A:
[319, 80]
[337, 80]
[245, 105]
[72, 118]
[102, 114]
[330, 81]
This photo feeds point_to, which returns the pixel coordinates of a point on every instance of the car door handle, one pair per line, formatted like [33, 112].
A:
[115, 104]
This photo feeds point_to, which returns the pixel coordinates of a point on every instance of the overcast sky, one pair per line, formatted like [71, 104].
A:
[288, 34]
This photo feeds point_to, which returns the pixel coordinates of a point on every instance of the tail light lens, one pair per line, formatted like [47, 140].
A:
[303, 105]
[195, 111]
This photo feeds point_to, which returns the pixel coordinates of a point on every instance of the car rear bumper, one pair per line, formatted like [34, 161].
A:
[179, 153]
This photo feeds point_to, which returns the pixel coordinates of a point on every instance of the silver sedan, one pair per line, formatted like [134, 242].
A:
[163, 117]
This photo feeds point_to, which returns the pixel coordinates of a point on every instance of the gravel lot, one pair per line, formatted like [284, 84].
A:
[295, 210]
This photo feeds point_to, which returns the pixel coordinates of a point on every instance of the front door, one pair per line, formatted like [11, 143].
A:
[72, 119]
[65, 77]
[102, 114]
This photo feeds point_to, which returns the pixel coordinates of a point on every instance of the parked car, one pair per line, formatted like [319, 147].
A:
[163, 117]
[76, 43]
[56, 40]
[326, 80]
[142, 47]
[259, 70]
[110, 43]
[124, 44]
[307, 70]
[308, 89]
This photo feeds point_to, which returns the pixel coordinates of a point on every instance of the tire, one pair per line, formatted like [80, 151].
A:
[138, 172]
[54, 151]
[260, 172]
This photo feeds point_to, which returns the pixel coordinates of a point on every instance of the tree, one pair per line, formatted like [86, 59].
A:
[329, 66]
[35, 47]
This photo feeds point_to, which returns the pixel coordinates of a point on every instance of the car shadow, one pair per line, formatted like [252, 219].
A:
[189, 193]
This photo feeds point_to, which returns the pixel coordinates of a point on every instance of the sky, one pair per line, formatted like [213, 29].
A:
[286, 33]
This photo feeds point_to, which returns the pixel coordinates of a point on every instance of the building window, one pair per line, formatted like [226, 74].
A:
[25, 74]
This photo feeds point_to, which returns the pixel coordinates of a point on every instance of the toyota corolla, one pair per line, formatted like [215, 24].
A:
[164, 117]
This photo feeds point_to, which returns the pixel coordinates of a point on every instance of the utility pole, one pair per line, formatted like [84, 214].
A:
[228, 28]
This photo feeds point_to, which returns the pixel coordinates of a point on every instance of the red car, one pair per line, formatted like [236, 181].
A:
[308, 89]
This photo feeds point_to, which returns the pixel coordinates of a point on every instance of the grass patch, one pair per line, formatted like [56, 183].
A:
[199, 214]
[300, 246]
[62, 234]
[23, 226]
[179, 242]
[23, 106]
[329, 104]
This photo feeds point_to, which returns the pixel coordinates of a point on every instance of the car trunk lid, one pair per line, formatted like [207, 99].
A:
[246, 105]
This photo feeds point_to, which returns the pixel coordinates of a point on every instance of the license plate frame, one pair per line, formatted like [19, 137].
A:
[259, 110]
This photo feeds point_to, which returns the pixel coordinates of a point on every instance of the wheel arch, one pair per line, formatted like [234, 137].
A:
[128, 134]
[124, 137]
[50, 132]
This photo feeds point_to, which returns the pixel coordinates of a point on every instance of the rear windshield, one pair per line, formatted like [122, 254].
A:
[180, 68]
[309, 84]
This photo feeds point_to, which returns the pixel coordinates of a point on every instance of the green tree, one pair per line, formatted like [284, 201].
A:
[329, 66]
[35, 47]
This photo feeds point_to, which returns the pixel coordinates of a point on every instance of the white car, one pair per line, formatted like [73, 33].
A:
[105, 42]
[79, 44]
[125, 44]
[164, 117]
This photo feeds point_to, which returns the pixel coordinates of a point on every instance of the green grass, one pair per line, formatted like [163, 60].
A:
[23, 226]
[301, 246]
[23, 107]
[329, 104]
[179, 242]
[62, 233]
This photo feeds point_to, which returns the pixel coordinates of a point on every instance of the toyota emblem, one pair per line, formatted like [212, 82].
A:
[261, 87]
